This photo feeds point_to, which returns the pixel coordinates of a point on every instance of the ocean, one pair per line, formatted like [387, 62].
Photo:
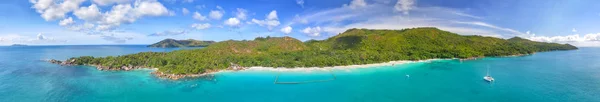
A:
[560, 76]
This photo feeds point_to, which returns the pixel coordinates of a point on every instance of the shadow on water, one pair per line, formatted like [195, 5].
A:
[75, 71]
[188, 84]
[63, 90]
[114, 76]
[194, 85]
[440, 65]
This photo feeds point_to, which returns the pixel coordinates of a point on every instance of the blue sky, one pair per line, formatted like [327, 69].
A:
[83, 22]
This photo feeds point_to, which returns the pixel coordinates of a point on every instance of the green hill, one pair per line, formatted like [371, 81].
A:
[355, 46]
[168, 43]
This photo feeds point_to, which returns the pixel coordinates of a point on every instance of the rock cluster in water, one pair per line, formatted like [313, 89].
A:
[62, 63]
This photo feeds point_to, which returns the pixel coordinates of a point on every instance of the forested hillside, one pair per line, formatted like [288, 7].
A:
[355, 46]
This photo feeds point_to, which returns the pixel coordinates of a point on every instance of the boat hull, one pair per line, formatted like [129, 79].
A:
[487, 78]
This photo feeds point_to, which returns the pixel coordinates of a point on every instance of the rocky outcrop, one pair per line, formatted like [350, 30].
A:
[235, 67]
[206, 75]
[125, 67]
[62, 63]
[53, 61]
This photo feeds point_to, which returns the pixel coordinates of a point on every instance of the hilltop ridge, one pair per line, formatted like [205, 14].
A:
[169, 43]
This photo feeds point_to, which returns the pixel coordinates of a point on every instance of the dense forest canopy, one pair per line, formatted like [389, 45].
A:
[169, 43]
[355, 46]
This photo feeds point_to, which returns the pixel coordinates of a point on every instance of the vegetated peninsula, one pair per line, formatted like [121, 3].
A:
[353, 47]
[171, 43]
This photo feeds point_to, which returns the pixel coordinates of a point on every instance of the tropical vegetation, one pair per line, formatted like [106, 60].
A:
[354, 46]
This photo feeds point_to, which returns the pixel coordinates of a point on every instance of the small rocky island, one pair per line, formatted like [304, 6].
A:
[353, 47]
[18, 45]
[172, 43]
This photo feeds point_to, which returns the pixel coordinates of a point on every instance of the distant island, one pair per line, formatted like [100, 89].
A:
[353, 47]
[18, 45]
[171, 43]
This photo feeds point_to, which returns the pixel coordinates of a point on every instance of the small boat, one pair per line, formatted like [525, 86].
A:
[488, 77]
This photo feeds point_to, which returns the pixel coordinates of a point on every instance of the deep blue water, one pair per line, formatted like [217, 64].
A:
[561, 76]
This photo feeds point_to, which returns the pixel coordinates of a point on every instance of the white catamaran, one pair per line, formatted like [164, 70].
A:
[488, 77]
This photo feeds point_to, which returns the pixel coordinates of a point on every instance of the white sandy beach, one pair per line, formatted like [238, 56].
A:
[309, 69]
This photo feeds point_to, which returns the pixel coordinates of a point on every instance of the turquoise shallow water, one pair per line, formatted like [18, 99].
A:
[562, 76]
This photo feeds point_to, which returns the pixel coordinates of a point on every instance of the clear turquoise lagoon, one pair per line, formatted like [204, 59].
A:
[561, 76]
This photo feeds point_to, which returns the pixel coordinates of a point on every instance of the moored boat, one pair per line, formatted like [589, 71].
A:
[488, 77]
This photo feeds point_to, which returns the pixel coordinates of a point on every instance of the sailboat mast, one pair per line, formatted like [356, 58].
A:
[488, 72]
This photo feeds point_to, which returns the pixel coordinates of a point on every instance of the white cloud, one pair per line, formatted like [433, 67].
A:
[185, 11]
[188, 1]
[400, 22]
[574, 30]
[354, 4]
[200, 26]
[116, 39]
[82, 28]
[300, 2]
[379, 17]
[40, 37]
[272, 15]
[99, 23]
[241, 13]
[109, 2]
[119, 36]
[66, 22]
[286, 30]
[169, 33]
[270, 22]
[233, 22]
[199, 16]
[122, 13]
[313, 32]
[118, 15]
[483, 24]
[297, 19]
[200, 6]
[91, 13]
[19, 39]
[41, 5]
[343, 14]
[575, 39]
[105, 27]
[172, 13]
[567, 38]
[149, 8]
[216, 14]
[404, 6]
[51, 10]
[466, 15]
[125, 13]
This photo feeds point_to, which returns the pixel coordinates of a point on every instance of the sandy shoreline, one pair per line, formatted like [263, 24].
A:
[307, 69]
[279, 69]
